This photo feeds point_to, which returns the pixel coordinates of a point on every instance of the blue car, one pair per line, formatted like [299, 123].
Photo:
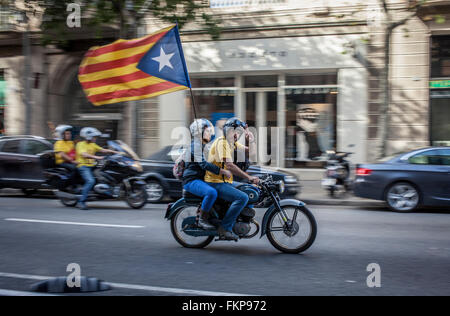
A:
[407, 181]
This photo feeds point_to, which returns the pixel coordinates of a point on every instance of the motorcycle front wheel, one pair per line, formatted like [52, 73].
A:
[68, 202]
[137, 197]
[176, 226]
[295, 236]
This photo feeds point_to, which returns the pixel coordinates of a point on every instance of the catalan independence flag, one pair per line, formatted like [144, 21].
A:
[135, 69]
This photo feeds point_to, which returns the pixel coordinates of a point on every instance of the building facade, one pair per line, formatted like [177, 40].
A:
[305, 75]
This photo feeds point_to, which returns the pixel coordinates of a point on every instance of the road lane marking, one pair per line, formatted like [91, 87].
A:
[4, 292]
[69, 223]
[132, 286]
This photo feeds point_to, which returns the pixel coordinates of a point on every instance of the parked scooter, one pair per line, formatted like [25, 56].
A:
[117, 177]
[337, 174]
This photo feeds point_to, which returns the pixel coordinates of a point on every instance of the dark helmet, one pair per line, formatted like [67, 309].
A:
[233, 123]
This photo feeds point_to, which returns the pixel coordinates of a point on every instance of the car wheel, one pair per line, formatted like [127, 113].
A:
[155, 191]
[402, 197]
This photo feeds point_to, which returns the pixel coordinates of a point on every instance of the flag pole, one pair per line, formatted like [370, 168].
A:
[193, 103]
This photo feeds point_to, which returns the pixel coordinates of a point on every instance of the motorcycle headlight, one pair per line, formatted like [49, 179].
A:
[281, 186]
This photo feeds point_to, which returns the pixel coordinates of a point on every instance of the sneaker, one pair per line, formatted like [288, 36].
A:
[226, 234]
[82, 206]
[203, 222]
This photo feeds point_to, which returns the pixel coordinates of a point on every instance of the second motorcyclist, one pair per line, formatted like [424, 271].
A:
[86, 156]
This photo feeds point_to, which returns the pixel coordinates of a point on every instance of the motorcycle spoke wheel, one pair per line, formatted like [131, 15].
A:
[294, 236]
[180, 236]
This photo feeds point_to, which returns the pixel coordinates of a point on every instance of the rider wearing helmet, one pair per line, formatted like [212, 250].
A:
[64, 150]
[202, 131]
[86, 156]
[221, 155]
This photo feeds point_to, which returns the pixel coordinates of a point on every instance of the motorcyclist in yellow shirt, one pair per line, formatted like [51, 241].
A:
[86, 157]
[64, 150]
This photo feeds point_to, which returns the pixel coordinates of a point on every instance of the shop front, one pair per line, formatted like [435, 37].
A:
[2, 103]
[440, 91]
[301, 95]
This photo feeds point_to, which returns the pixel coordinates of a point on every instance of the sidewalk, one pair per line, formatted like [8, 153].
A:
[312, 192]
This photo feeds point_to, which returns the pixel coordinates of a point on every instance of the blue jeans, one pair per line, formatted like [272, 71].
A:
[204, 190]
[89, 182]
[238, 198]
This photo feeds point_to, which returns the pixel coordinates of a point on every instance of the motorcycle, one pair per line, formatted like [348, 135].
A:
[288, 224]
[337, 174]
[117, 177]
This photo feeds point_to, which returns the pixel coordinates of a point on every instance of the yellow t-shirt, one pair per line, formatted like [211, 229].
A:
[62, 146]
[220, 150]
[91, 149]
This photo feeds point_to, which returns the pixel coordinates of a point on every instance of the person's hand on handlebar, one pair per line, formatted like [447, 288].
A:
[254, 180]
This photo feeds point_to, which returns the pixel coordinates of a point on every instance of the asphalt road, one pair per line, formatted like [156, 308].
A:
[142, 258]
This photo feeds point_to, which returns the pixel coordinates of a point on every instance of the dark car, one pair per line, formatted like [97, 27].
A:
[161, 182]
[20, 165]
[407, 181]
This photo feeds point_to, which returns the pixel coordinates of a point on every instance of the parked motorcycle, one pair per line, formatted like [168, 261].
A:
[337, 174]
[288, 224]
[117, 177]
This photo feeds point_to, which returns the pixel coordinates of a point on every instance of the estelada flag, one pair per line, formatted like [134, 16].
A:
[135, 69]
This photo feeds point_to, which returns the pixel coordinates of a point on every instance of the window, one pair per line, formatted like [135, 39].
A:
[432, 157]
[445, 156]
[214, 99]
[440, 117]
[307, 80]
[149, 120]
[34, 147]
[12, 146]
[440, 56]
[260, 81]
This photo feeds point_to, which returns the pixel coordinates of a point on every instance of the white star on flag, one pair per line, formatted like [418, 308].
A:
[164, 59]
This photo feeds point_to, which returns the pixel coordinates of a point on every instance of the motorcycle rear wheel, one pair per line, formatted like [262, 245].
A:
[182, 238]
[304, 226]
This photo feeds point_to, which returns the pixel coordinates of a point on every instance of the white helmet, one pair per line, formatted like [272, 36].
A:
[89, 132]
[61, 129]
[199, 125]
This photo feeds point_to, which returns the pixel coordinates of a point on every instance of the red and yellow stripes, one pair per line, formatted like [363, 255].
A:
[108, 74]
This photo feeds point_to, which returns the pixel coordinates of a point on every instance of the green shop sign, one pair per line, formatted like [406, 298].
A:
[440, 84]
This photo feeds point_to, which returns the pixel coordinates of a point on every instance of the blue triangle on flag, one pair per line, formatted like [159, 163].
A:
[165, 60]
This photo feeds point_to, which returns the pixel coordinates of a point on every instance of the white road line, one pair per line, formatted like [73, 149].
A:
[69, 223]
[132, 286]
[21, 293]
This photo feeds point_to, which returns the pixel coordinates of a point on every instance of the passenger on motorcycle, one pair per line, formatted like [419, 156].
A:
[86, 156]
[221, 155]
[202, 131]
[64, 150]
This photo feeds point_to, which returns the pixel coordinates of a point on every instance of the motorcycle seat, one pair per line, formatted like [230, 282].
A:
[191, 197]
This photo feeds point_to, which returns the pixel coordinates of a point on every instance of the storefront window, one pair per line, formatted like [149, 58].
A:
[2, 102]
[311, 125]
[319, 79]
[440, 56]
[214, 100]
[440, 117]
[260, 81]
